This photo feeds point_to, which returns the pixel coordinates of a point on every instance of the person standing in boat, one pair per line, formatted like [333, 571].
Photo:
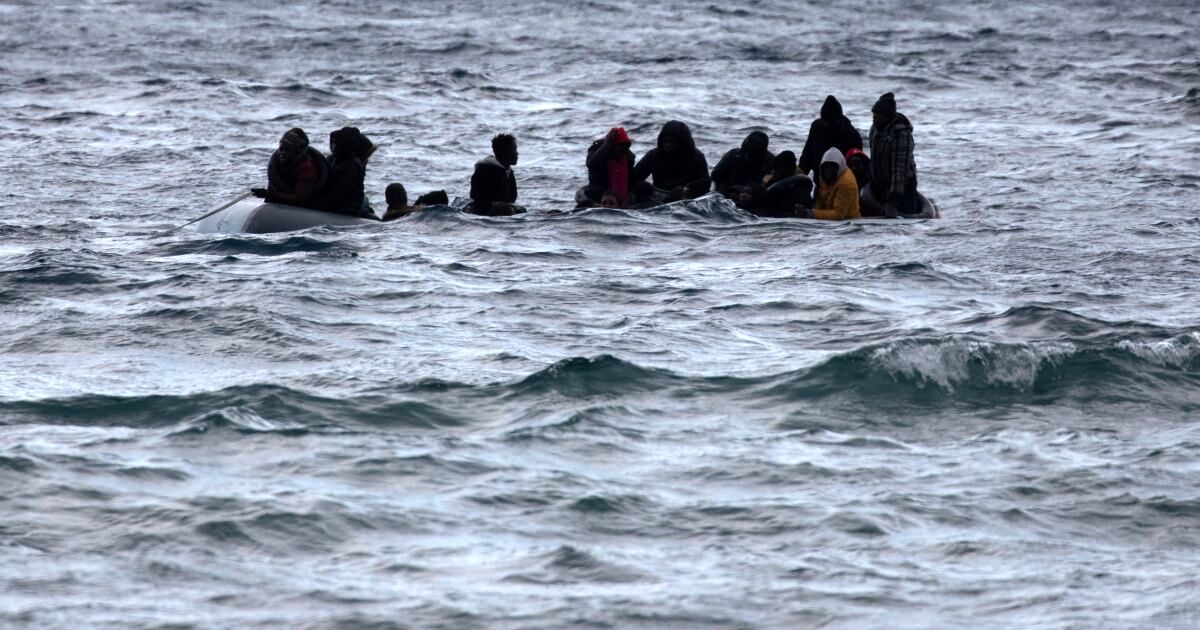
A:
[610, 168]
[345, 192]
[744, 166]
[296, 173]
[678, 169]
[893, 167]
[493, 185]
[831, 130]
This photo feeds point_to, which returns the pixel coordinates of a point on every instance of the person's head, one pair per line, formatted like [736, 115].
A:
[750, 197]
[610, 200]
[396, 196]
[884, 110]
[754, 147]
[347, 142]
[832, 165]
[292, 145]
[504, 147]
[620, 137]
[831, 111]
[676, 138]
[784, 166]
[859, 164]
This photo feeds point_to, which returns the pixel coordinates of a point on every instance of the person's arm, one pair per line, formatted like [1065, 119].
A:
[645, 166]
[511, 189]
[723, 171]
[599, 153]
[901, 160]
[808, 157]
[483, 188]
[698, 180]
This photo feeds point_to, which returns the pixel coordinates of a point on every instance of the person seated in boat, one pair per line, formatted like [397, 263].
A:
[493, 185]
[610, 168]
[893, 167]
[752, 198]
[397, 201]
[837, 197]
[860, 165]
[745, 165]
[676, 168]
[296, 172]
[610, 199]
[832, 129]
[345, 192]
[642, 196]
[788, 192]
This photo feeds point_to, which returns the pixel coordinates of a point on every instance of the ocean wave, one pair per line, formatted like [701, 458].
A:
[259, 246]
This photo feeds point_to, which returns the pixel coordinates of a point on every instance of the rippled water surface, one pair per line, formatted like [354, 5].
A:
[678, 418]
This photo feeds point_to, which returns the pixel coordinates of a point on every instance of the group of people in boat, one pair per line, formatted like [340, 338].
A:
[833, 178]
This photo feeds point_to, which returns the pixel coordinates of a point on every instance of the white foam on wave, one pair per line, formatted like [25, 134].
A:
[1178, 352]
[949, 362]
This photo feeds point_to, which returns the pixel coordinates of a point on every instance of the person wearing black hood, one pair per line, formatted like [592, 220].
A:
[893, 168]
[493, 185]
[345, 192]
[296, 173]
[831, 130]
[744, 166]
[676, 166]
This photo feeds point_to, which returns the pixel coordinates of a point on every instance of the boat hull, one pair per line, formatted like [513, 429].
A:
[269, 218]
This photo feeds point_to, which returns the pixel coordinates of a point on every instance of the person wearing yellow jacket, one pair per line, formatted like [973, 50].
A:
[837, 198]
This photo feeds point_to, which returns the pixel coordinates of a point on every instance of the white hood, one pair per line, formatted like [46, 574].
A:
[835, 155]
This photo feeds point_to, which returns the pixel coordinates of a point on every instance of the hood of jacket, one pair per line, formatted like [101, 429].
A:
[835, 156]
[349, 142]
[754, 148]
[682, 135]
[831, 111]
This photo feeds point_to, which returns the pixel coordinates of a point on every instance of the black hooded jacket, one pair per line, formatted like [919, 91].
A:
[831, 130]
[686, 167]
[492, 183]
[344, 191]
[746, 165]
[598, 156]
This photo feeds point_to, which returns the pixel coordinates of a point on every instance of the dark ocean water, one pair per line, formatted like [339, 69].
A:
[685, 418]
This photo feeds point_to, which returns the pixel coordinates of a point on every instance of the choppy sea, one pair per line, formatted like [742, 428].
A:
[678, 418]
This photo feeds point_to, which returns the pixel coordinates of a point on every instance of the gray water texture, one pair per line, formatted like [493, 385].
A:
[679, 418]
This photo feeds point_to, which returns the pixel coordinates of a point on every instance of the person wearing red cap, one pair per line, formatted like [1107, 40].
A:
[610, 168]
[860, 165]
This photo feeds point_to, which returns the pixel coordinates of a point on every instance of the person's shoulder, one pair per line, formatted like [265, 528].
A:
[489, 162]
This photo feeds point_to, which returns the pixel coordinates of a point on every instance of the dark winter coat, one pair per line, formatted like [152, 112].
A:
[686, 167]
[299, 182]
[492, 183]
[745, 165]
[893, 168]
[344, 191]
[598, 156]
[831, 130]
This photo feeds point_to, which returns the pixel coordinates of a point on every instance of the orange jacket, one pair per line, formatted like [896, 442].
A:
[839, 201]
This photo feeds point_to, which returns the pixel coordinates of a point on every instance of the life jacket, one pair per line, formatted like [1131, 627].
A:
[279, 182]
